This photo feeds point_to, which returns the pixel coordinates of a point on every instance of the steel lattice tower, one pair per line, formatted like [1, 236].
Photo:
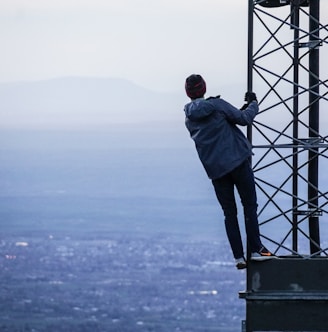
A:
[290, 143]
[290, 162]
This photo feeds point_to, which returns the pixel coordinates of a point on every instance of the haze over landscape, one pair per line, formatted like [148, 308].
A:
[108, 220]
[101, 216]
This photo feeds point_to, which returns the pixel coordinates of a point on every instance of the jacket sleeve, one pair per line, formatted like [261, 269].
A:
[236, 116]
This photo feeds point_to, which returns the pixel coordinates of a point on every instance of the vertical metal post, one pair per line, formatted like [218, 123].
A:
[250, 57]
[313, 169]
[295, 14]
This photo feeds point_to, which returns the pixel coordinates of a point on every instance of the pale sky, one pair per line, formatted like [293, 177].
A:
[153, 43]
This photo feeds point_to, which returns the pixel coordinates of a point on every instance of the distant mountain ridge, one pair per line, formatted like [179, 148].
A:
[75, 101]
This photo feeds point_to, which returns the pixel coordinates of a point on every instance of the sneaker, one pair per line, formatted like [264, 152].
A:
[240, 263]
[262, 255]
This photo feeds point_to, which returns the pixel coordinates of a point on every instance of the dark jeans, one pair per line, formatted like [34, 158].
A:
[243, 178]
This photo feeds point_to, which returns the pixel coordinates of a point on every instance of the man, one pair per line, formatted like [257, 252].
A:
[224, 152]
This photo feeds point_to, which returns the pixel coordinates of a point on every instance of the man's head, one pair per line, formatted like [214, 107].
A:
[195, 86]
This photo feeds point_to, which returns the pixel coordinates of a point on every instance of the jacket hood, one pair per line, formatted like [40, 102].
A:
[198, 109]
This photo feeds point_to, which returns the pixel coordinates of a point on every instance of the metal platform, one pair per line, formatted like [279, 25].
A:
[287, 294]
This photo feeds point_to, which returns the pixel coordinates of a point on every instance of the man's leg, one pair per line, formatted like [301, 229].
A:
[224, 189]
[244, 179]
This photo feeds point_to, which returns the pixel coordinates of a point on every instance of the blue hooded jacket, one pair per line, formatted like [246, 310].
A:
[220, 144]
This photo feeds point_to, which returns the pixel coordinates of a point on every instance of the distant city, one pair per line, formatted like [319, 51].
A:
[118, 282]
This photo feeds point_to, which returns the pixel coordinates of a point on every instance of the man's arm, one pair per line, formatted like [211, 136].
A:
[242, 118]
